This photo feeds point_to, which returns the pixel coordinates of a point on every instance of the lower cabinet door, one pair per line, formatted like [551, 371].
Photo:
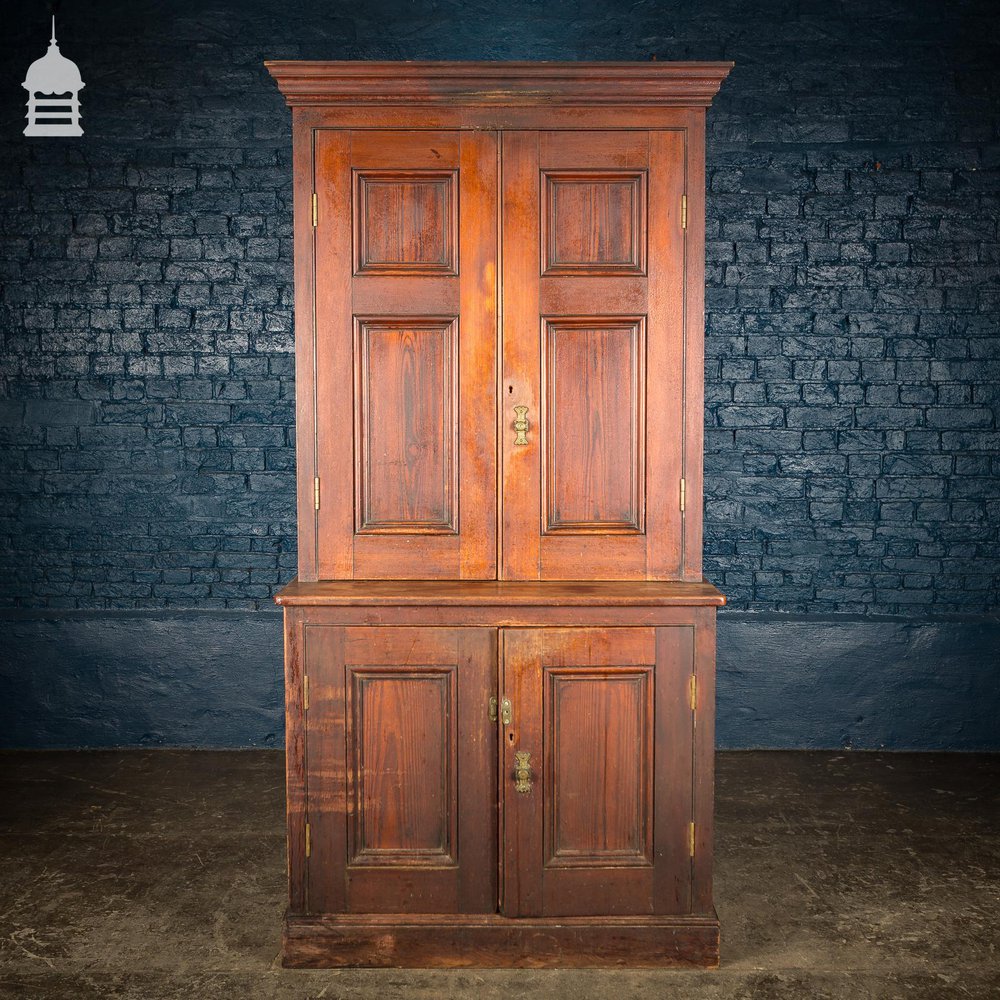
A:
[596, 781]
[400, 768]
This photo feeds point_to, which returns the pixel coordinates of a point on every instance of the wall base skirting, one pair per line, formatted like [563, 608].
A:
[213, 679]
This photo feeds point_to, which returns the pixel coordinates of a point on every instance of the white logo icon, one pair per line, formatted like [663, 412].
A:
[53, 84]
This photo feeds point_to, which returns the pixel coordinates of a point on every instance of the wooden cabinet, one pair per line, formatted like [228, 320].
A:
[499, 648]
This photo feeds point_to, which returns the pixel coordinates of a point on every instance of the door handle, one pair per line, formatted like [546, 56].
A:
[522, 772]
[521, 424]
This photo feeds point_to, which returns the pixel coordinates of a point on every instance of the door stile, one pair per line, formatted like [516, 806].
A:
[522, 847]
[666, 358]
[521, 468]
[333, 354]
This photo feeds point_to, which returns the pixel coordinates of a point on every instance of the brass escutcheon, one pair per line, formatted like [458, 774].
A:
[521, 424]
[522, 772]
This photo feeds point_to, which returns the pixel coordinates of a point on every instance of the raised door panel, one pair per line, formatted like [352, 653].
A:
[406, 222]
[406, 426]
[598, 732]
[405, 325]
[593, 420]
[593, 222]
[597, 771]
[401, 762]
[593, 354]
[400, 770]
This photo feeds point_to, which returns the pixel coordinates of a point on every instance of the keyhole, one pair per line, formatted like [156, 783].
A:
[510, 736]
[510, 389]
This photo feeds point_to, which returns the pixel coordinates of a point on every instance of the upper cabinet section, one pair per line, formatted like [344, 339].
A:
[499, 286]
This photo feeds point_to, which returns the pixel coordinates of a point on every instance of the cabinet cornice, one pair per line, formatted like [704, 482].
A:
[498, 84]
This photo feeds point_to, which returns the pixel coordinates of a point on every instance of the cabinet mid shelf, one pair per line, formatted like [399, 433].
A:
[487, 593]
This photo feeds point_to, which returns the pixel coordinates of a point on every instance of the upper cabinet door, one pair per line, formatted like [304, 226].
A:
[405, 355]
[593, 355]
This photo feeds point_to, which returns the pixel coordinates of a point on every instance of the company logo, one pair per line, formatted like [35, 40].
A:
[53, 84]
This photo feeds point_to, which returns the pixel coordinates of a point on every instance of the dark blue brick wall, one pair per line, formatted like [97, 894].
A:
[853, 369]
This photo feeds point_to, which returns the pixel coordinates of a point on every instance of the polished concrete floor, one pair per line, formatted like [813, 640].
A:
[156, 874]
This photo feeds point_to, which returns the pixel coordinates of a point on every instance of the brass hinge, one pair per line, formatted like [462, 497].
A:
[683, 494]
[493, 710]
[691, 839]
[315, 209]
[316, 492]
[308, 842]
[693, 692]
[505, 711]
[684, 211]
[305, 692]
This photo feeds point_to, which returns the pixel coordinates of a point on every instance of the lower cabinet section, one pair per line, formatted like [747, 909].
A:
[499, 795]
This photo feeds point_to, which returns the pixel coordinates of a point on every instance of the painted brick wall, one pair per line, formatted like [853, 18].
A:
[853, 371]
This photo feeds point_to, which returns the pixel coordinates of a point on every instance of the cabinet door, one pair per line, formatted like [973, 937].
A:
[405, 291]
[597, 821]
[400, 770]
[593, 349]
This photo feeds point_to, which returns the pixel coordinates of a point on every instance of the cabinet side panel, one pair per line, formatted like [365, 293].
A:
[295, 762]
[704, 760]
[305, 344]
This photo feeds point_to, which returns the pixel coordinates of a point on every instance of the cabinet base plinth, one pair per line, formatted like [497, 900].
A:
[493, 941]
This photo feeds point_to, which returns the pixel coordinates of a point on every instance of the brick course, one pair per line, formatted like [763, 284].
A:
[853, 358]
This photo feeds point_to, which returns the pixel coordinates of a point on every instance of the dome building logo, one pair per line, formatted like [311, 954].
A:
[53, 84]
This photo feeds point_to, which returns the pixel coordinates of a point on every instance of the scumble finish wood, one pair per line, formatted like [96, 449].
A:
[499, 332]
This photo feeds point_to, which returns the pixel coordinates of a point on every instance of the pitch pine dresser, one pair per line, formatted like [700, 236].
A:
[499, 649]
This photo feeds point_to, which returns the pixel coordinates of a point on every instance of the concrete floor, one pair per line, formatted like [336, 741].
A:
[160, 874]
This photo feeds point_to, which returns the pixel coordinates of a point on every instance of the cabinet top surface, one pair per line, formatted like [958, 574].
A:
[510, 593]
[510, 84]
